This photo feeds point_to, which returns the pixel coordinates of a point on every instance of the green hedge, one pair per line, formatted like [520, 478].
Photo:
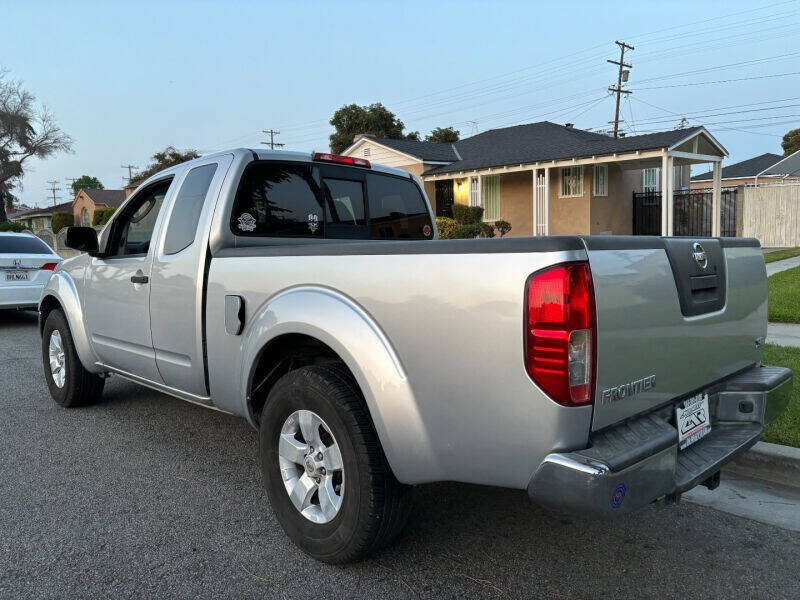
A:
[102, 215]
[9, 226]
[61, 220]
[445, 225]
[467, 215]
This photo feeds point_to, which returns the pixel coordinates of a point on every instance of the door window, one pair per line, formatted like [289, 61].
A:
[133, 230]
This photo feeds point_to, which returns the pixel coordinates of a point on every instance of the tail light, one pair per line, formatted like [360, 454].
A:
[560, 332]
[343, 160]
[49, 266]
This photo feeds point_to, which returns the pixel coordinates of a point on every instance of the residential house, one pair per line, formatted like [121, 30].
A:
[87, 201]
[39, 218]
[549, 179]
[16, 208]
[742, 173]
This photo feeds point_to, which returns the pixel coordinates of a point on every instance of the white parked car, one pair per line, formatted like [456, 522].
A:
[26, 264]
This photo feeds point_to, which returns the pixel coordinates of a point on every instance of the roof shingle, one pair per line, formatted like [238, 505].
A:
[746, 168]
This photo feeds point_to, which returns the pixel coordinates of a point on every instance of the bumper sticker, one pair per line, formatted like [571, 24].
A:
[618, 496]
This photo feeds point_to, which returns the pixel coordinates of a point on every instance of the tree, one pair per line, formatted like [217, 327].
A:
[375, 119]
[102, 215]
[85, 182]
[27, 130]
[443, 135]
[791, 142]
[60, 220]
[168, 157]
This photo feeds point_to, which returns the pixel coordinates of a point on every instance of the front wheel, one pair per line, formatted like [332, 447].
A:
[324, 470]
[70, 384]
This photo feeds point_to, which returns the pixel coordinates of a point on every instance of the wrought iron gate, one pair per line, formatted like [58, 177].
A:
[692, 210]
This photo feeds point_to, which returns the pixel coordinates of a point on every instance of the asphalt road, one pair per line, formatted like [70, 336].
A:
[146, 496]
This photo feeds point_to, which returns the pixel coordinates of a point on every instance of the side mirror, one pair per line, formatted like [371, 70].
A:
[83, 239]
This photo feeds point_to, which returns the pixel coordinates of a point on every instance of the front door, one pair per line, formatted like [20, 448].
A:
[118, 291]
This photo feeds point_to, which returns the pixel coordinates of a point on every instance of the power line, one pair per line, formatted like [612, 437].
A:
[662, 87]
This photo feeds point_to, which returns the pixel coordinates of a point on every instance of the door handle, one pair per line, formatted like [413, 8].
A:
[139, 279]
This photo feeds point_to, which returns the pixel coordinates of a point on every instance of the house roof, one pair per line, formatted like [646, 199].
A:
[747, 168]
[108, 197]
[425, 151]
[537, 142]
[47, 210]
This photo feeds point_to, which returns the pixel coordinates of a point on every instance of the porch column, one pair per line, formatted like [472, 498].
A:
[479, 195]
[535, 203]
[666, 195]
[716, 201]
[547, 201]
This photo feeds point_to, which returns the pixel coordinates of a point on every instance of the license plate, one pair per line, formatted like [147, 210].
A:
[16, 276]
[693, 420]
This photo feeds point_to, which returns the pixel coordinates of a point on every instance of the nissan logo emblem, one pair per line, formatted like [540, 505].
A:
[699, 255]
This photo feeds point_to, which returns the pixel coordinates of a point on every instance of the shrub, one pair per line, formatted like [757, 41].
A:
[473, 230]
[467, 215]
[102, 215]
[61, 220]
[11, 227]
[503, 227]
[445, 225]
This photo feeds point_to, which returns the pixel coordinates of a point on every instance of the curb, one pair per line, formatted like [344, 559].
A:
[771, 462]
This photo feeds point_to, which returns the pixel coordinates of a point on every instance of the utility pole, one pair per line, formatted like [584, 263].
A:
[54, 189]
[622, 77]
[130, 171]
[71, 181]
[271, 143]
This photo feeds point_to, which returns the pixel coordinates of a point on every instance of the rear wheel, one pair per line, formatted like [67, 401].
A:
[70, 384]
[324, 470]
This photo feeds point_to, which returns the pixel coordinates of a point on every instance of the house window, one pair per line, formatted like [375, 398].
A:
[491, 198]
[85, 218]
[571, 182]
[651, 180]
[601, 180]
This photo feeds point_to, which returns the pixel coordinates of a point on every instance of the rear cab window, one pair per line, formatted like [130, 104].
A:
[23, 244]
[310, 200]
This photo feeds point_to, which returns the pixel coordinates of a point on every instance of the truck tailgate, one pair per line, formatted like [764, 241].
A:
[672, 318]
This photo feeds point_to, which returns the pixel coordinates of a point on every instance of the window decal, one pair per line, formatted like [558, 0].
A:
[247, 222]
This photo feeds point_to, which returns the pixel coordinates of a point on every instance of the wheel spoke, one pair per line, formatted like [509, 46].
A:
[309, 426]
[302, 492]
[291, 449]
[332, 458]
[329, 502]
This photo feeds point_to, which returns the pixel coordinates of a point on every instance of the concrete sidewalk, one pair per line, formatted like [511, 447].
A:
[782, 265]
[783, 334]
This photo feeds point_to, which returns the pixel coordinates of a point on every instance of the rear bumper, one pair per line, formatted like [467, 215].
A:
[633, 464]
[20, 296]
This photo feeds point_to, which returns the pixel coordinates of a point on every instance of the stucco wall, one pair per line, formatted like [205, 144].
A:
[516, 202]
[614, 212]
[570, 215]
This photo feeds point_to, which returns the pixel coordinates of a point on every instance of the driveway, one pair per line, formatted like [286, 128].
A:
[146, 496]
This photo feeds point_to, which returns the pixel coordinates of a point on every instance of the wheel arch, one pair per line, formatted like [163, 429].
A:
[311, 325]
[61, 293]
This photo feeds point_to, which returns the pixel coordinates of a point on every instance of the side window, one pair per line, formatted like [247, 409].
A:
[189, 203]
[397, 209]
[134, 229]
[344, 209]
[278, 200]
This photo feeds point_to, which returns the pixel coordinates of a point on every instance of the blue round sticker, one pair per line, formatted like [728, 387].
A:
[618, 496]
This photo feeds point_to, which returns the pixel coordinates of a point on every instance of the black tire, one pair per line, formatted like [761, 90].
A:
[80, 386]
[375, 506]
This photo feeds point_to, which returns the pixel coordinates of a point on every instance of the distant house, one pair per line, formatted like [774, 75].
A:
[87, 201]
[39, 218]
[741, 173]
[548, 179]
[16, 208]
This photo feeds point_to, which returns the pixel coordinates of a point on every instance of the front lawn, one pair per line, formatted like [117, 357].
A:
[781, 254]
[786, 429]
[784, 296]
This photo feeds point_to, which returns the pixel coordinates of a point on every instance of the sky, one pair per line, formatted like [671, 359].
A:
[126, 79]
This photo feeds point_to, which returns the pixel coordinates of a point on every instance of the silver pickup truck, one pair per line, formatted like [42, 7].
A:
[310, 295]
